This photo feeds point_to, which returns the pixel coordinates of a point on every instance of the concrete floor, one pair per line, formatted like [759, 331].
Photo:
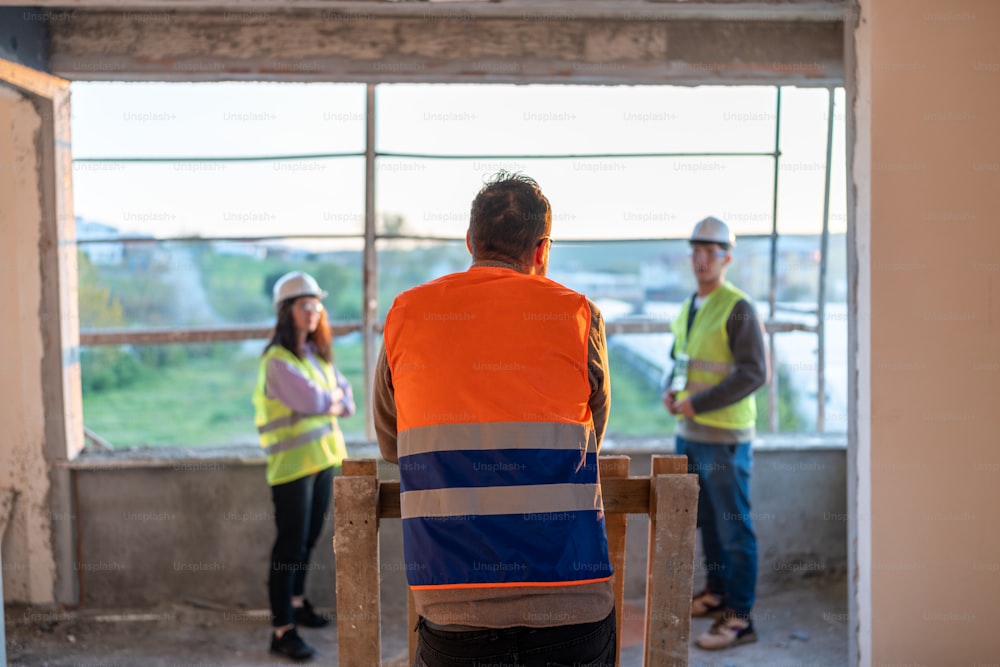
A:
[801, 625]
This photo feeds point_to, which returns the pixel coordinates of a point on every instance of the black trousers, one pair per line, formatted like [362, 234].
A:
[583, 645]
[299, 510]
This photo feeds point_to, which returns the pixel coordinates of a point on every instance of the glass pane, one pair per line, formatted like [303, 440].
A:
[222, 199]
[405, 264]
[802, 167]
[838, 180]
[540, 119]
[637, 362]
[189, 395]
[135, 284]
[216, 119]
[591, 199]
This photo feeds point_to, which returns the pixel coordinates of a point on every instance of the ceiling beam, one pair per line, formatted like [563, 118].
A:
[724, 10]
[312, 45]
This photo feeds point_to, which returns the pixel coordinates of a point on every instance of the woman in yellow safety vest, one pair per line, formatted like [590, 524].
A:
[298, 398]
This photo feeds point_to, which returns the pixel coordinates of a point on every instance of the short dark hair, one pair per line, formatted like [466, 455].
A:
[509, 215]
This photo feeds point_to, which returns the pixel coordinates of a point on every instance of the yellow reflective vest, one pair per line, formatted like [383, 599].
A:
[297, 445]
[710, 357]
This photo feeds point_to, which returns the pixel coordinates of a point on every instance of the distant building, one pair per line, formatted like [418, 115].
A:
[239, 249]
[666, 278]
[602, 285]
[108, 252]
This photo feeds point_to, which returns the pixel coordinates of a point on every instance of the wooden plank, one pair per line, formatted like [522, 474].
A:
[668, 464]
[359, 467]
[157, 336]
[670, 574]
[616, 524]
[355, 543]
[411, 623]
[31, 80]
[626, 495]
[192, 335]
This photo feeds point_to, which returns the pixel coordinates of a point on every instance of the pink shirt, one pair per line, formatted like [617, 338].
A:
[287, 384]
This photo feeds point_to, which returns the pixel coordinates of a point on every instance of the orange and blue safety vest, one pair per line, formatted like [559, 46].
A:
[497, 449]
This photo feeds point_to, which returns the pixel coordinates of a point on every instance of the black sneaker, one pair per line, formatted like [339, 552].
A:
[306, 616]
[291, 646]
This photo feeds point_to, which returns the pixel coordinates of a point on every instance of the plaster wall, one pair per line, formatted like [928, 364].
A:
[28, 564]
[934, 327]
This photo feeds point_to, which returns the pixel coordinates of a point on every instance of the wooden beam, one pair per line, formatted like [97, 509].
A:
[670, 573]
[624, 495]
[616, 524]
[315, 45]
[31, 80]
[236, 333]
[669, 464]
[192, 335]
[355, 544]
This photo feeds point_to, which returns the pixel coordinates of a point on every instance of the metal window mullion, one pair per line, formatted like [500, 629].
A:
[821, 295]
[369, 309]
[772, 387]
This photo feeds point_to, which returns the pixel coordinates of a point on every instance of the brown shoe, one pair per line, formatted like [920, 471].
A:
[707, 604]
[729, 630]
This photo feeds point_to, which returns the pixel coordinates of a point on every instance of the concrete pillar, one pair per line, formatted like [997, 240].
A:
[40, 410]
[928, 317]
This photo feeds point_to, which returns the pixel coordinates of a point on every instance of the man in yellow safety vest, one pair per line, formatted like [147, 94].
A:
[719, 361]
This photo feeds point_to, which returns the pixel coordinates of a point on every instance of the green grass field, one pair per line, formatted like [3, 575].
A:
[636, 408]
[199, 402]
[205, 401]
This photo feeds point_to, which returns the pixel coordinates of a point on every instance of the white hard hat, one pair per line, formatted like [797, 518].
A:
[295, 284]
[713, 230]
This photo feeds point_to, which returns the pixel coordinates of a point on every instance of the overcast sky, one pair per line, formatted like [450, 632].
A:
[614, 197]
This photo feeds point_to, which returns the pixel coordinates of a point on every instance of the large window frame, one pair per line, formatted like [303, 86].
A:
[370, 325]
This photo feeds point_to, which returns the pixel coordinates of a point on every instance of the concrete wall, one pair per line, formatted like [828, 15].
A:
[202, 530]
[557, 41]
[929, 91]
[24, 37]
[190, 530]
[21, 406]
[40, 404]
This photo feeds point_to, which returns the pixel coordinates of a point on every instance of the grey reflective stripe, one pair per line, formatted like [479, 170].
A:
[720, 367]
[281, 422]
[497, 435]
[299, 440]
[492, 500]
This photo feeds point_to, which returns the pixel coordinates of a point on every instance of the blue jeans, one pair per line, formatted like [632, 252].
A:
[299, 510]
[727, 535]
[583, 645]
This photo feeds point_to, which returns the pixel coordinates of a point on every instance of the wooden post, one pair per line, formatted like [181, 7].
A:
[673, 502]
[673, 464]
[616, 523]
[411, 623]
[355, 543]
